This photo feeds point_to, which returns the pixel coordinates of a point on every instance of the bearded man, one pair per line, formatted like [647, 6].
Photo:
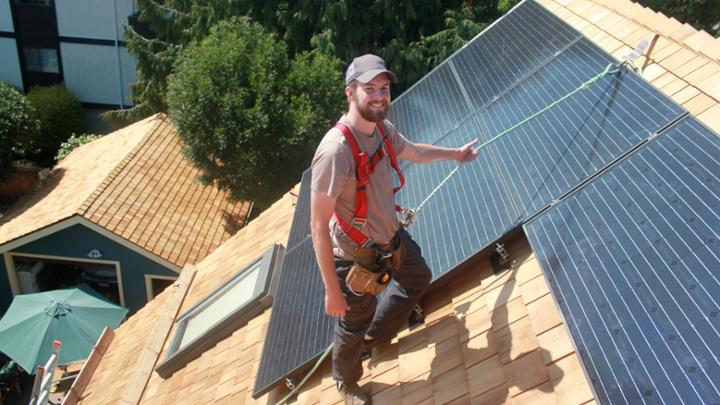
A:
[358, 241]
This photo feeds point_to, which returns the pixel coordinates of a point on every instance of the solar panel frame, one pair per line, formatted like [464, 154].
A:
[300, 228]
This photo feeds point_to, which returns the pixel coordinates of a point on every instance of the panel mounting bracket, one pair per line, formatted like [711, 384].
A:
[417, 317]
[500, 260]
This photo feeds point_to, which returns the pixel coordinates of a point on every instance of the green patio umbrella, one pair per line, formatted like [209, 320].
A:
[75, 316]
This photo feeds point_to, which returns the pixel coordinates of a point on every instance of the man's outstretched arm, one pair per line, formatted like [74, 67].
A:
[322, 208]
[424, 153]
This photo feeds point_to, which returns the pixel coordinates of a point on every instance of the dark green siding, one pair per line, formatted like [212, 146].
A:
[75, 242]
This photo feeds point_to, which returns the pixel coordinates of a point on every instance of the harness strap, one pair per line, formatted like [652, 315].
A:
[364, 167]
[393, 161]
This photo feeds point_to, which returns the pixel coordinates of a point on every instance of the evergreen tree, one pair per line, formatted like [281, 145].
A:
[249, 115]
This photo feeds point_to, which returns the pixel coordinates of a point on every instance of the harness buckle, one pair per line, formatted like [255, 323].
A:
[408, 217]
[358, 223]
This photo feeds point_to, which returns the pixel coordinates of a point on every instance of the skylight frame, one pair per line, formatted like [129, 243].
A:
[260, 299]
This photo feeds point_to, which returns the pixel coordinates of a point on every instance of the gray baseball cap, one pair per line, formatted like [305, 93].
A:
[365, 68]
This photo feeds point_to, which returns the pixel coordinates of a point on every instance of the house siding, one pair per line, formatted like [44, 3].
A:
[75, 242]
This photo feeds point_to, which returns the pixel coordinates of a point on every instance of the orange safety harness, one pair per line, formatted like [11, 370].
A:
[364, 167]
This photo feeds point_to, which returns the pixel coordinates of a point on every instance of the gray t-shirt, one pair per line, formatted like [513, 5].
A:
[333, 172]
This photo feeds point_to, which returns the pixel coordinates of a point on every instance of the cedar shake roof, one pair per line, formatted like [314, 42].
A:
[234, 357]
[683, 63]
[137, 184]
[487, 338]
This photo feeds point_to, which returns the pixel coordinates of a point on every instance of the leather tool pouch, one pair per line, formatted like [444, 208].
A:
[363, 281]
[373, 267]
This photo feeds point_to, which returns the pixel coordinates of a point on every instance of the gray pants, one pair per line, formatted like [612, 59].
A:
[380, 321]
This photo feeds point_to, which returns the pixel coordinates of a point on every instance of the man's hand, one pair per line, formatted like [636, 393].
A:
[466, 153]
[335, 304]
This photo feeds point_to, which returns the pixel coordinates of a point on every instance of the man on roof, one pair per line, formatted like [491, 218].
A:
[359, 243]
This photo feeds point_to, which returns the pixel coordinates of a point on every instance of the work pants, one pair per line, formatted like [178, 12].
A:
[380, 321]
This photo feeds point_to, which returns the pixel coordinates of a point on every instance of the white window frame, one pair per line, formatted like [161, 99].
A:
[149, 278]
[260, 299]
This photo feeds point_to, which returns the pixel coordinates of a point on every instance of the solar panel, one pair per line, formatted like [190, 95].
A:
[633, 260]
[523, 41]
[298, 328]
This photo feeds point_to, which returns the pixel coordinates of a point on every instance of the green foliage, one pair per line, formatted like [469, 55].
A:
[73, 142]
[505, 5]
[412, 35]
[416, 59]
[167, 28]
[17, 121]
[701, 14]
[248, 114]
[60, 115]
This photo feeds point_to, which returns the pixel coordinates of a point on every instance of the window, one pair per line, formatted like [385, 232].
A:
[247, 294]
[155, 284]
[41, 60]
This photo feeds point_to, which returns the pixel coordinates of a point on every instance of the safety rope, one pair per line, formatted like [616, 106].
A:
[307, 377]
[610, 69]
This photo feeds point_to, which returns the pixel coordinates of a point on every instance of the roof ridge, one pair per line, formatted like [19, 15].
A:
[85, 206]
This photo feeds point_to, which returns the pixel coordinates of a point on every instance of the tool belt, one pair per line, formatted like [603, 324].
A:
[373, 267]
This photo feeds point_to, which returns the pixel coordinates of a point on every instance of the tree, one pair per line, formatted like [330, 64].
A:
[407, 34]
[60, 115]
[249, 115]
[17, 121]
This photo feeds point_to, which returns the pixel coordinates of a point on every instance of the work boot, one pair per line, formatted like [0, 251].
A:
[352, 394]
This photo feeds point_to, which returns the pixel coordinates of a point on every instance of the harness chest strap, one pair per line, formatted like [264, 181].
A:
[364, 167]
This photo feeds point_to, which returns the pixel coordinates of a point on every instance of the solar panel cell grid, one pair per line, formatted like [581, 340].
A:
[299, 328]
[502, 56]
[437, 106]
[632, 258]
[471, 210]
[551, 154]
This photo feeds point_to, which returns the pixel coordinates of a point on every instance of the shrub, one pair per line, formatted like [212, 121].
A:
[17, 121]
[60, 115]
[249, 116]
[73, 142]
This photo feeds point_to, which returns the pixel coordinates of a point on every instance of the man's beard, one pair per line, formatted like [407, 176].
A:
[372, 114]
